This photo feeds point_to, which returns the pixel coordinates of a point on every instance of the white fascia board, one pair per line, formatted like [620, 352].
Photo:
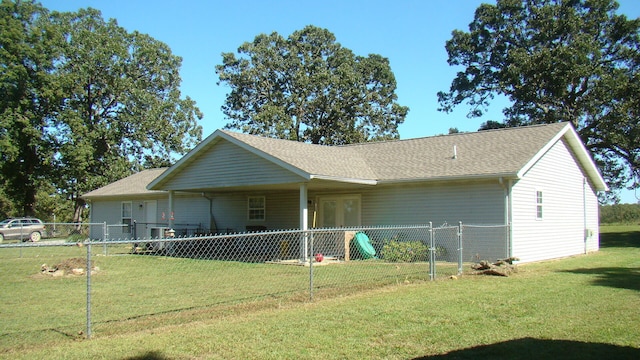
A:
[580, 151]
[207, 143]
[586, 160]
[267, 156]
[184, 160]
[542, 151]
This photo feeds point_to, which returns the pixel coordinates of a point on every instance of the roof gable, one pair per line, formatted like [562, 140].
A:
[225, 165]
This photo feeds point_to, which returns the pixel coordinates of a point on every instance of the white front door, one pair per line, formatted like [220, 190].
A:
[150, 216]
[339, 211]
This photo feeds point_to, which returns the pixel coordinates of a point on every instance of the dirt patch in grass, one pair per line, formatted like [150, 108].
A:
[71, 266]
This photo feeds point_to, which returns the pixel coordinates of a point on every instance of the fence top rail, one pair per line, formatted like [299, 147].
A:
[73, 223]
[39, 244]
[486, 226]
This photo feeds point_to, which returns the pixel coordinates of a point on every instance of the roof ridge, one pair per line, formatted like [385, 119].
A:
[467, 133]
[512, 128]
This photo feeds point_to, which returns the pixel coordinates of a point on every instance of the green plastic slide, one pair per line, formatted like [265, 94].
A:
[364, 246]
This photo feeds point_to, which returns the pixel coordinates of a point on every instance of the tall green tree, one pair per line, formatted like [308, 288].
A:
[29, 98]
[123, 109]
[556, 60]
[309, 88]
[84, 102]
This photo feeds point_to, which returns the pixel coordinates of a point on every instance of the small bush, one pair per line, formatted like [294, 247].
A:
[405, 251]
[76, 237]
[441, 252]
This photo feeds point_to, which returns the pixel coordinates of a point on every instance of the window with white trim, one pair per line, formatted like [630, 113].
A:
[256, 207]
[126, 216]
[538, 205]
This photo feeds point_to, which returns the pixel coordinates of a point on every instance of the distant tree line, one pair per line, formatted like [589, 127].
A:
[620, 214]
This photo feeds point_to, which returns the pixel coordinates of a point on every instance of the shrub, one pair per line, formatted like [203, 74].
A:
[76, 237]
[441, 252]
[405, 251]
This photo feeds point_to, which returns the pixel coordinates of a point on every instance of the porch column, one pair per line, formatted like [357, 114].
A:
[304, 222]
[304, 207]
[171, 213]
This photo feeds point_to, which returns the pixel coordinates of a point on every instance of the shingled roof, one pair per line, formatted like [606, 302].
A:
[133, 185]
[500, 152]
[505, 153]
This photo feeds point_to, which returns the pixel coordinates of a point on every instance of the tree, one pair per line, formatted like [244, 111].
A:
[86, 103]
[309, 88]
[491, 125]
[29, 46]
[123, 109]
[556, 61]
[620, 214]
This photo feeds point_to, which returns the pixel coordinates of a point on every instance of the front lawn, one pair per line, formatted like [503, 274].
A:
[583, 307]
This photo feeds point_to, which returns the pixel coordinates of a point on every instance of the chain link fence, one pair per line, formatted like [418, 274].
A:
[72, 286]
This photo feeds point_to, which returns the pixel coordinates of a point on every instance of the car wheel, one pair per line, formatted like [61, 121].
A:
[1, 238]
[35, 236]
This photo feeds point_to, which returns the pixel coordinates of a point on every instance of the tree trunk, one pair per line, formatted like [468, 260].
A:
[77, 213]
[29, 201]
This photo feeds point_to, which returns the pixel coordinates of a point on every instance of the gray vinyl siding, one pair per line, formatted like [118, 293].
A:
[227, 165]
[560, 232]
[471, 203]
[110, 212]
[104, 211]
[188, 212]
[230, 211]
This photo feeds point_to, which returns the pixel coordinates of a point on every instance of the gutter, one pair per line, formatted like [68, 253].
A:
[507, 185]
[451, 178]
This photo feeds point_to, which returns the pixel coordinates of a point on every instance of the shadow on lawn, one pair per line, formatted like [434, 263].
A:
[530, 349]
[620, 239]
[153, 355]
[617, 277]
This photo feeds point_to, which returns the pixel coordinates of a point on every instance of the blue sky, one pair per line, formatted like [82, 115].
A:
[412, 34]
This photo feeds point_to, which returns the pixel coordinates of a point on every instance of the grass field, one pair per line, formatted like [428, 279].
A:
[584, 307]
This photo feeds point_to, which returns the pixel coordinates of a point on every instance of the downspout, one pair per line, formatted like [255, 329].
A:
[304, 222]
[213, 227]
[506, 185]
[171, 214]
[584, 208]
[304, 208]
[510, 218]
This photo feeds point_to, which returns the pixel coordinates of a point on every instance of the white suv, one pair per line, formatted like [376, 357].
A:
[25, 229]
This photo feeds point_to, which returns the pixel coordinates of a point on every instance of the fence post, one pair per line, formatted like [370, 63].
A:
[311, 259]
[105, 232]
[432, 253]
[460, 248]
[88, 243]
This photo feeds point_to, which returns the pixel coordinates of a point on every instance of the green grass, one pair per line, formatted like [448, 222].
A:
[583, 307]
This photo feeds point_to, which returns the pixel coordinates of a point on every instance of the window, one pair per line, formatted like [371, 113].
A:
[256, 208]
[539, 205]
[126, 216]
